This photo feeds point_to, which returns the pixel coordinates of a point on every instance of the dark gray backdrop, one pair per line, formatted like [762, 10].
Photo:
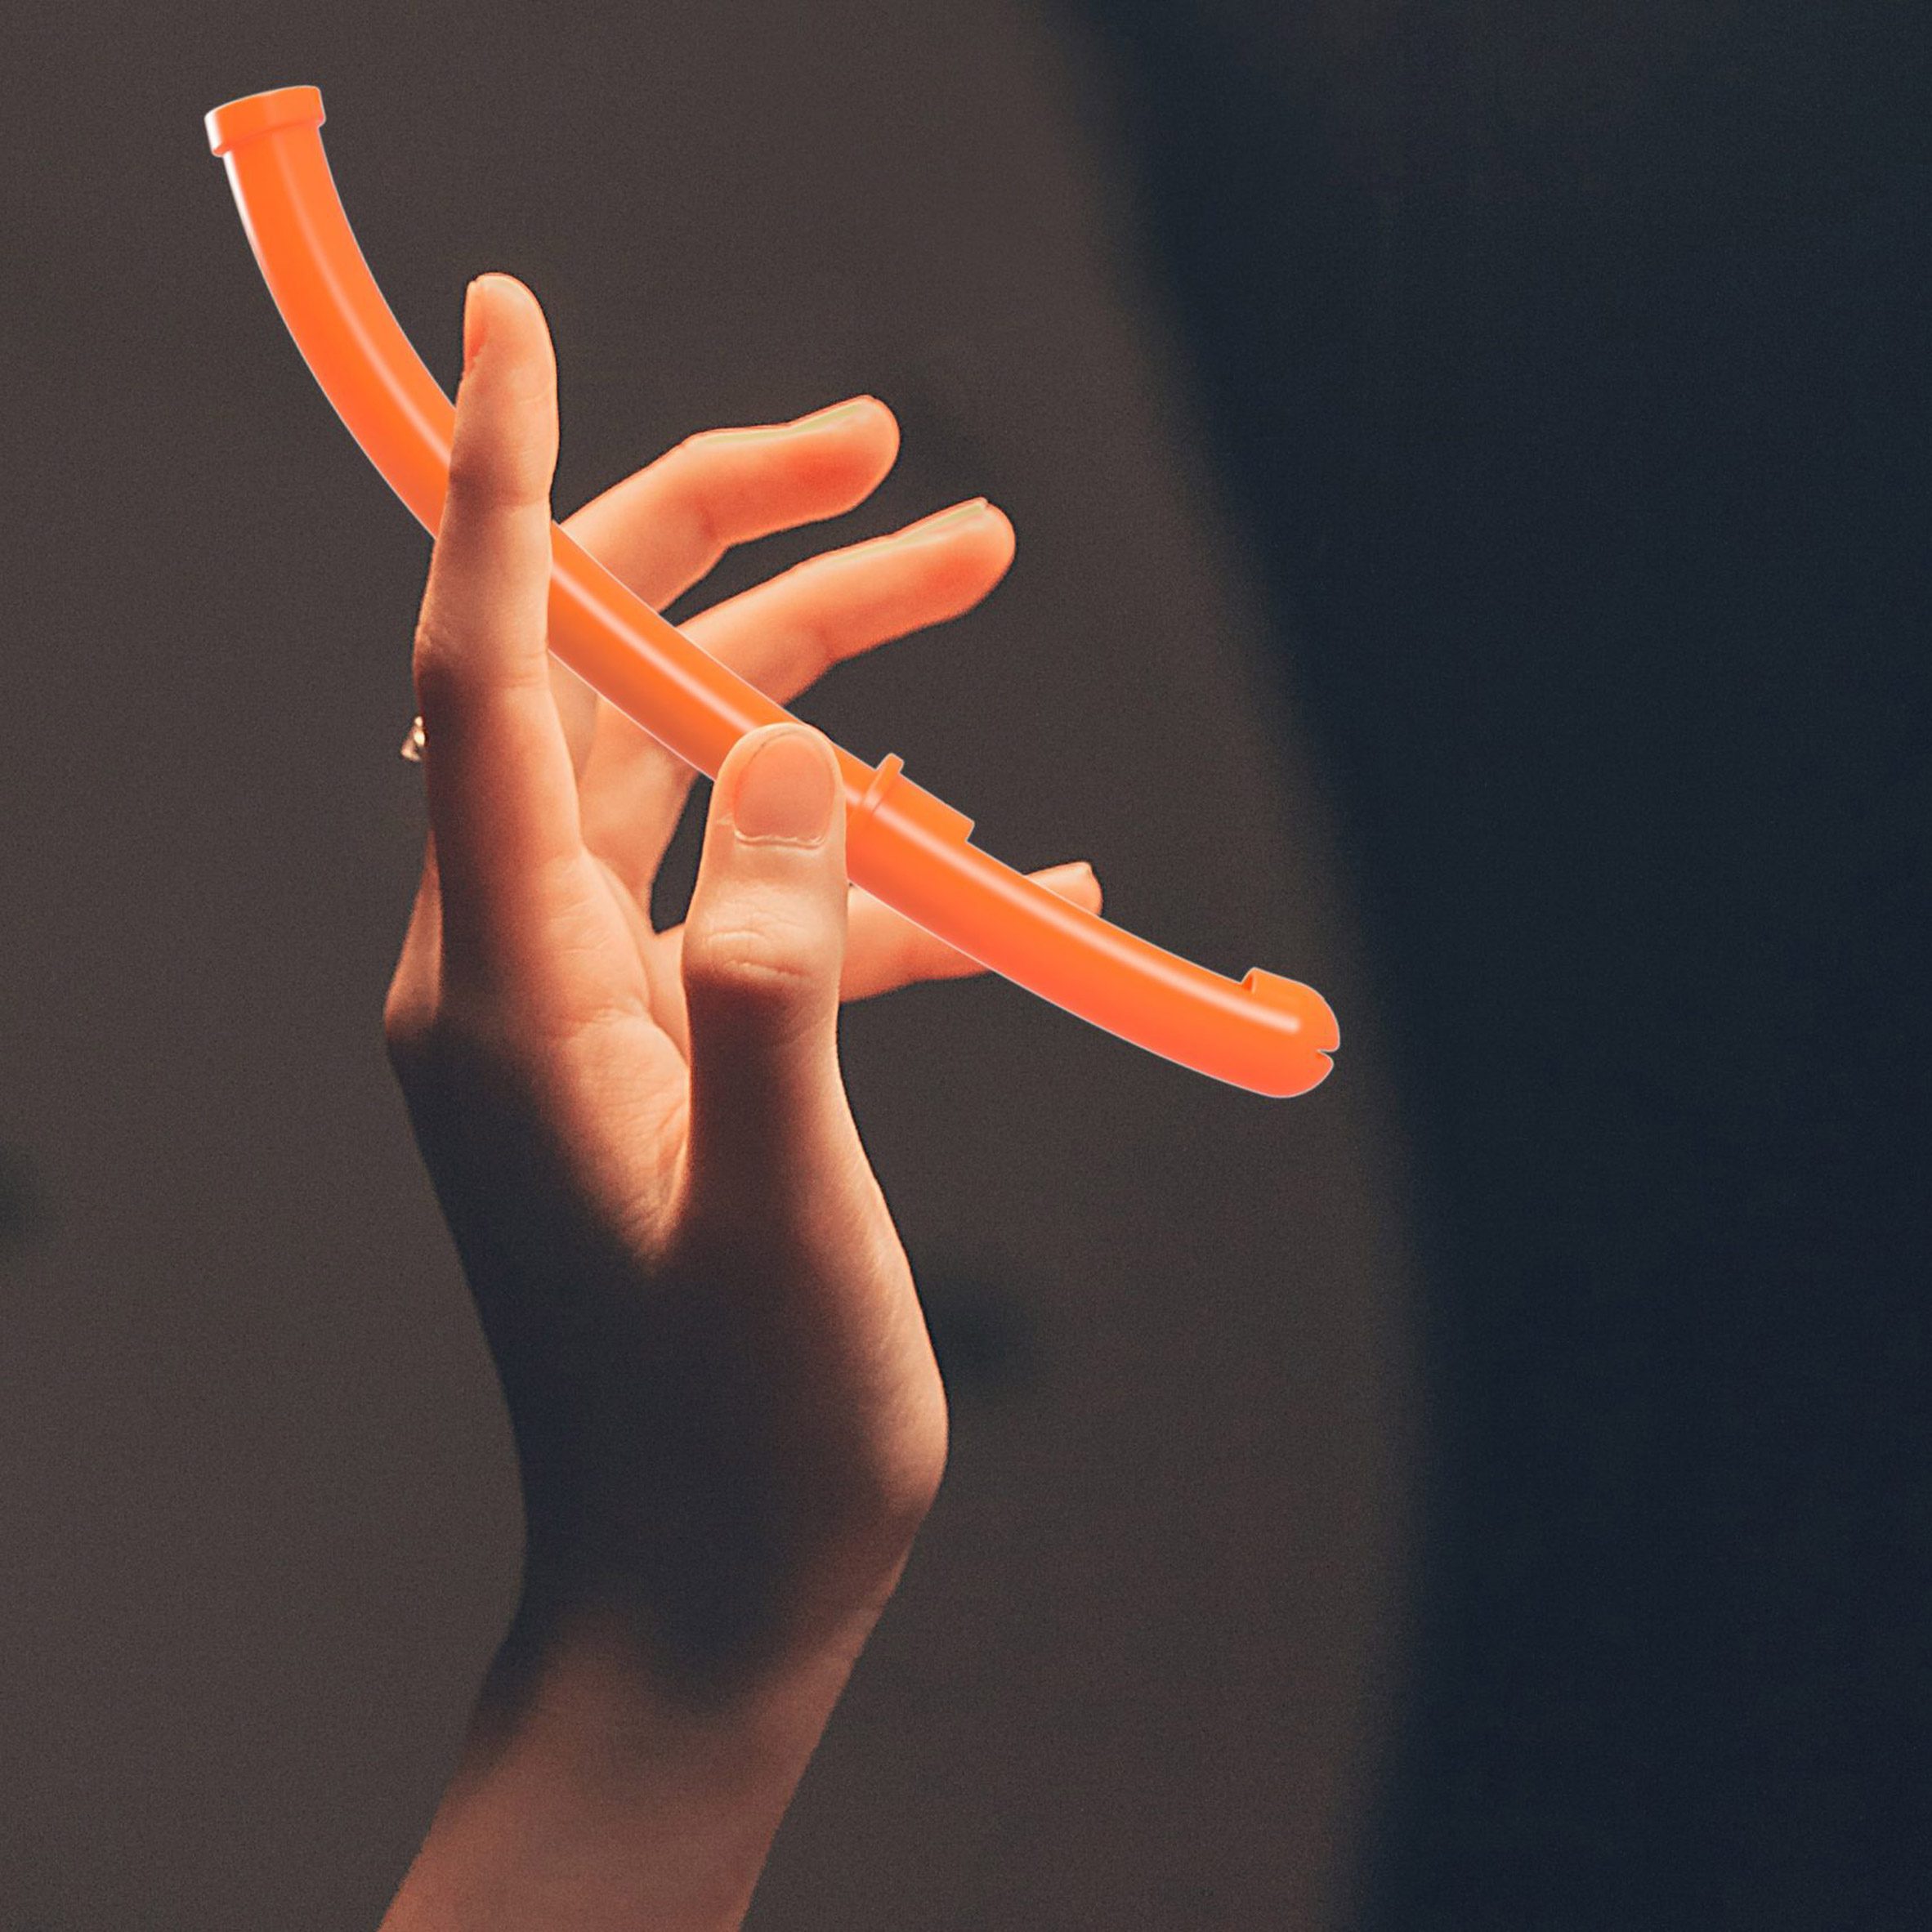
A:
[1568, 364]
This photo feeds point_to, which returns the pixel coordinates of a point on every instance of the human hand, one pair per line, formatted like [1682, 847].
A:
[728, 1420]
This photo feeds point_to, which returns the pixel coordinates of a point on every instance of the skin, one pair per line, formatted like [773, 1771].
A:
[728, 1421]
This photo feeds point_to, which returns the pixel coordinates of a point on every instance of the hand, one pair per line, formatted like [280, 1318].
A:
[726, 1413]
[728, 1420]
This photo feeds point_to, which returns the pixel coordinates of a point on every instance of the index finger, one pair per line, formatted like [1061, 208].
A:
[503, 798]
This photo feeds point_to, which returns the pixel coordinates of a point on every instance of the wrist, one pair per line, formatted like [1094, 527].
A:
[701, 1596]
[593, 1791]
[760, 1651]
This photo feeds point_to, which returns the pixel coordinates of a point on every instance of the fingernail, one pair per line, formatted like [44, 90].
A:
[836, 412]
[786, 793]
[474, 325]
[944, 520]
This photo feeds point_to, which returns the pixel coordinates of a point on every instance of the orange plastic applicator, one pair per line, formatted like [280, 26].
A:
[1269, 1035]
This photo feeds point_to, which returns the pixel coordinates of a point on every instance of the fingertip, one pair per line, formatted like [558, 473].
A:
[503, 320]
[475, 322]
[882, 418]
[858, 450]
[498, 288]
[883, 430]
[864, 413]
[978, 529]
[993, 535]
[504, 448]
[1077, 881]
[780, 784]
[965, 559]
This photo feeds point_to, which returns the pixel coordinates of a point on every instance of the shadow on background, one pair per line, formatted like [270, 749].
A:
[1569, 367]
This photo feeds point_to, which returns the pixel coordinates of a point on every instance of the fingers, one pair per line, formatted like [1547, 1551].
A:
[781, 636]
[501, 795]
[785, 634]
[662, 529]
[762, 950]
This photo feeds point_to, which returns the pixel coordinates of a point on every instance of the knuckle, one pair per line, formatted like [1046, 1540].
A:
[433, 658]
[773, 978]
[473, 477]
[688, 474]
[809, 578]
[755, 963]
[819, 606]
[815, 642]
[453, 680]
[508, 472]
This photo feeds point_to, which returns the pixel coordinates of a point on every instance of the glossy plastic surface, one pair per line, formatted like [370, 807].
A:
[1270, 1034]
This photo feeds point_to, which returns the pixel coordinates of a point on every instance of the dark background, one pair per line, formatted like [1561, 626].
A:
[1471, 470]
[1570, 364]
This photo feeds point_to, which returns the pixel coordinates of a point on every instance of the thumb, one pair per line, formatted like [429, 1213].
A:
[764, 944]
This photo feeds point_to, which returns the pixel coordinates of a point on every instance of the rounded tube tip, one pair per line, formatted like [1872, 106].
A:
[1309, 1010]
[255, 114]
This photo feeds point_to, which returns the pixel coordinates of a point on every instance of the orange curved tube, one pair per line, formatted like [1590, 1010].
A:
[1269, 1035]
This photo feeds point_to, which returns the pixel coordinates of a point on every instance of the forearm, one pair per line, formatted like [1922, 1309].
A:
[594, 1798]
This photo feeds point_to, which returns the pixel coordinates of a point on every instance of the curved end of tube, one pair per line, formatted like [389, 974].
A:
[255, 114]
[1317, 1033]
